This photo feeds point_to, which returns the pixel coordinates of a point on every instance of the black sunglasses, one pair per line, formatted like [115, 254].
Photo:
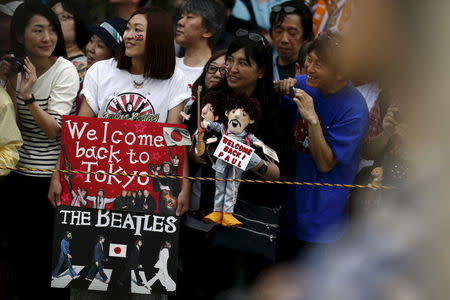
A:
[286, 9]
[251, 35]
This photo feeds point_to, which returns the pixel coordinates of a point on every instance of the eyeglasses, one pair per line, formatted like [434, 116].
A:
[286, 9]
[325, 35]
[212, 69]
[251, 35]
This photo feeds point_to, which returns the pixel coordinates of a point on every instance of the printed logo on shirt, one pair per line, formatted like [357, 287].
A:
[301, 136]
[131, 106]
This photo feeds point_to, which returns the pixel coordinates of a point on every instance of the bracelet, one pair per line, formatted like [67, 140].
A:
[27, 101]
[263, 169]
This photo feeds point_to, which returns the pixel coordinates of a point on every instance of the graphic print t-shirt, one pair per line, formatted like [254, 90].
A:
[111, 93]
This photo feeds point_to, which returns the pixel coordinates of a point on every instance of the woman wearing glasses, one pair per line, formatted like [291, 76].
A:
[75, 31]
[249, 71]
[212, 74]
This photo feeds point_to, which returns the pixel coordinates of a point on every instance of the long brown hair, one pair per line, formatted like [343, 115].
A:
[159, 57]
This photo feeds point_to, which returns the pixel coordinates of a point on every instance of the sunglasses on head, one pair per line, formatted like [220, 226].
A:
[286, 9]
[251, 35]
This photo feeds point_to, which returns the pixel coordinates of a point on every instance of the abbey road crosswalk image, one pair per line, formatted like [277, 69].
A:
[106, 250]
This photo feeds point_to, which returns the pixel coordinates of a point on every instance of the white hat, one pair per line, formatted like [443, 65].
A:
[9, 8]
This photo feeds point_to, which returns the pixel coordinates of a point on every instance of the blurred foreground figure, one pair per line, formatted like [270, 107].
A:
[403, 253]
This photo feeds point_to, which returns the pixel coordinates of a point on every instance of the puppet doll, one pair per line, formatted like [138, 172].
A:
[242, 113]
[377, 178]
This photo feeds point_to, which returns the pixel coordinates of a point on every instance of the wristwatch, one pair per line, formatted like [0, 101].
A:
[27, 101]
[263, 169]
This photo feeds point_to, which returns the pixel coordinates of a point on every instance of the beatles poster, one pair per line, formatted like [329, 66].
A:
[107, 250]
[113, 232]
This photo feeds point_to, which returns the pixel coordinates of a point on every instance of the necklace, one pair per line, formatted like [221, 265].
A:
[137, 84]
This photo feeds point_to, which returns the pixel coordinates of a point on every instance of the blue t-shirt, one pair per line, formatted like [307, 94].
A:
[317, 214]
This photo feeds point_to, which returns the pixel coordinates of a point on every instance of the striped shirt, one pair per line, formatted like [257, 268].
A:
[55, 92]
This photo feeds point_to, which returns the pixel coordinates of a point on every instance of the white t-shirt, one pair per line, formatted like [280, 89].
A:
[191, 74]
[112, 93]
[55, 92]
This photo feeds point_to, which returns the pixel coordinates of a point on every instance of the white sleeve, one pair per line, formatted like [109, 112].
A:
[179, 90]
[109, 200]
[63, 93]
[90, 87]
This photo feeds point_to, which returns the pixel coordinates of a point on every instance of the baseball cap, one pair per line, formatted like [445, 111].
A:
[110, 32]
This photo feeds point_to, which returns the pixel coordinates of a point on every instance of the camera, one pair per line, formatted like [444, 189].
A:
[292, 91]
[16, 64]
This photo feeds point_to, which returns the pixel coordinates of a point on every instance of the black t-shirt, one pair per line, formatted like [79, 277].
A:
[286, 71]
[274, 130]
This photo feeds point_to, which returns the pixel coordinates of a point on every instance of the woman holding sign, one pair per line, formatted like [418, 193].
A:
[44, 90]
[249, 72]
[141, 84]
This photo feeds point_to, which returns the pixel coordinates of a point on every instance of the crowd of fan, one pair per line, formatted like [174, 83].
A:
[331, 128]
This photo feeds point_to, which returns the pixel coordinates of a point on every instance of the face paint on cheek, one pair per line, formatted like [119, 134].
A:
[138, 37]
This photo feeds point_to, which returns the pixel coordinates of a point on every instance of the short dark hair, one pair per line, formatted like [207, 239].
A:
[101, 236]
[78, 10]
[325, 46]
[250, 105]
[159, 61]
[303, 11]
[21, 20]
[218, 101]
[213, 16]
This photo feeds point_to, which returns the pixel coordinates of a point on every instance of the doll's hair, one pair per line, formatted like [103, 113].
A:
[250, 105]
[218, 100]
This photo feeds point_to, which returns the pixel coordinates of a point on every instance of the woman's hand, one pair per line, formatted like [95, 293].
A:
[28, 80]
[54, 192]
[183, 202]
[284, 86]
[305, 106]
[5, 68]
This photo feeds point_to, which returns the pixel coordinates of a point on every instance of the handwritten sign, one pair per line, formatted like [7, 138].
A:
[234, 152]
[121, 146]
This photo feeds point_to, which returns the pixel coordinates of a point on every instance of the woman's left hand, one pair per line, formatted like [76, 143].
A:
[183, 202]
[28, 80]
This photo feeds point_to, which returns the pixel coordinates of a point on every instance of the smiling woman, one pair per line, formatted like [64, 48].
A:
[43, 93]
[143, 81]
